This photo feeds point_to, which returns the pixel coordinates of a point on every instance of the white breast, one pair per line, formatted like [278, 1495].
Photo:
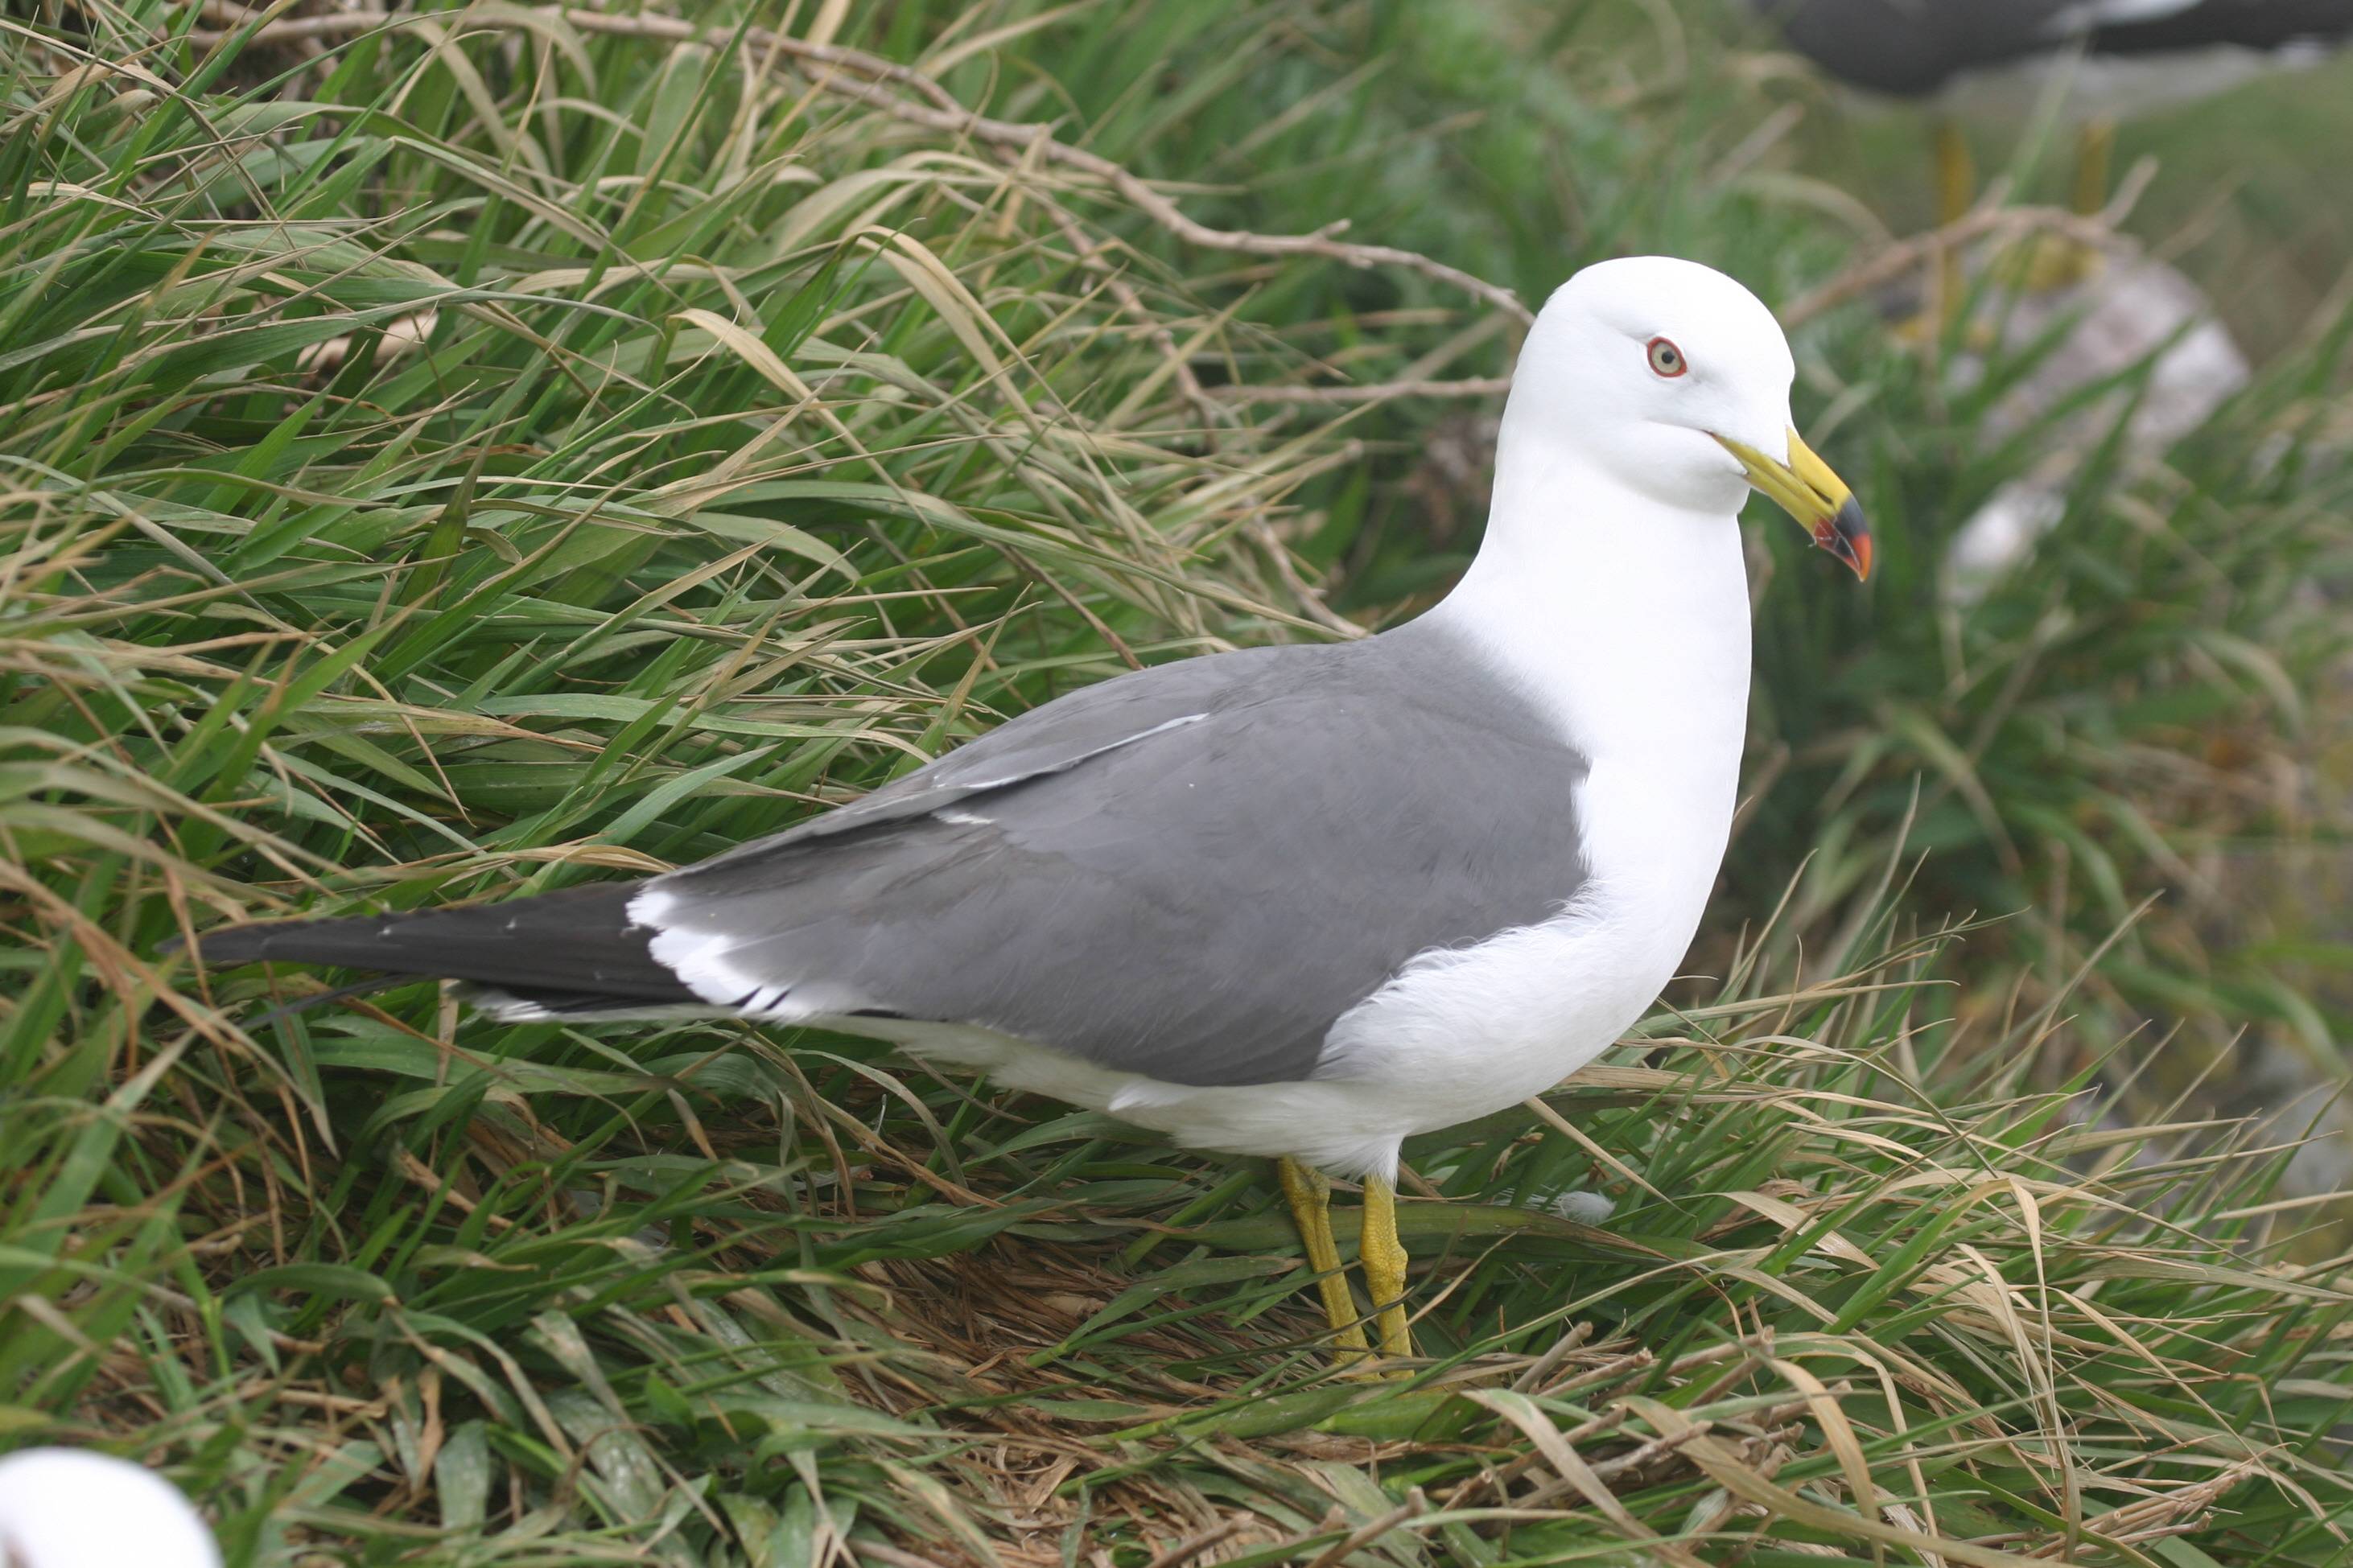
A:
[1637, 647]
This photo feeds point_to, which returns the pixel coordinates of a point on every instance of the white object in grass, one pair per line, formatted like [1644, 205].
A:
[69, 1507]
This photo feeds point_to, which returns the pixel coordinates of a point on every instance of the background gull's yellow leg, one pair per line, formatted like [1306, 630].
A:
[1957, 174]
[2064, 261]
[1310, 1207]
[1957, 182]
[1957, 188]
[1384, 1258]
[2095, 148]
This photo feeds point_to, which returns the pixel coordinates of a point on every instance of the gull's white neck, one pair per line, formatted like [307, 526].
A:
[1625, 619]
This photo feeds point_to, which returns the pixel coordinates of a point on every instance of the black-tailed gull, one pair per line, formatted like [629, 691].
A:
[1298, 902]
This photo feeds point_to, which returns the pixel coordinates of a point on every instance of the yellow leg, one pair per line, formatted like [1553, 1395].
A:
[2062, 261]
[1311, 1206]
[1957, 174]
[2094, 147]
[1956, 185]
[1384, 1258]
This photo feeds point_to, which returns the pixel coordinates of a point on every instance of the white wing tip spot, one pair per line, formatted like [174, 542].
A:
[509, 1008]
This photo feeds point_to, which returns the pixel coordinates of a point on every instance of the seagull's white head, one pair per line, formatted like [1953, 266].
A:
[70, 1508]
[1674, 381]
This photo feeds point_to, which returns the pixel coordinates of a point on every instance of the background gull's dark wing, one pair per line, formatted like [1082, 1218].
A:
[1911, 47]
[2249, 24]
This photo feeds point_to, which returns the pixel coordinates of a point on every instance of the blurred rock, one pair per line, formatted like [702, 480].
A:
[2129, 311]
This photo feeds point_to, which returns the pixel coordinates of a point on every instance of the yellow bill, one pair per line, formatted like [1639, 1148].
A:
[1806, 488]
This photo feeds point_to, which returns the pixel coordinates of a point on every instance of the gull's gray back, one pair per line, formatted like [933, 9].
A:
[1187, 872]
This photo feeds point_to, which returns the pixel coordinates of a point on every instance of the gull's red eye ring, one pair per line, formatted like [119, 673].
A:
[1666, 359]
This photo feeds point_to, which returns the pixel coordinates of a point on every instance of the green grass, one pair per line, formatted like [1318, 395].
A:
[462, 464]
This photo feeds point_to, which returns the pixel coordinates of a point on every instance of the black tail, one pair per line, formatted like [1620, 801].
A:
[570, 951]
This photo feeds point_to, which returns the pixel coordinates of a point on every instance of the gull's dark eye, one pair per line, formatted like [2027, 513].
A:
[1666, 359]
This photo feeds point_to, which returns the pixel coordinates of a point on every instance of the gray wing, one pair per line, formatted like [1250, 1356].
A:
[1053, 739]
[1189, 872]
